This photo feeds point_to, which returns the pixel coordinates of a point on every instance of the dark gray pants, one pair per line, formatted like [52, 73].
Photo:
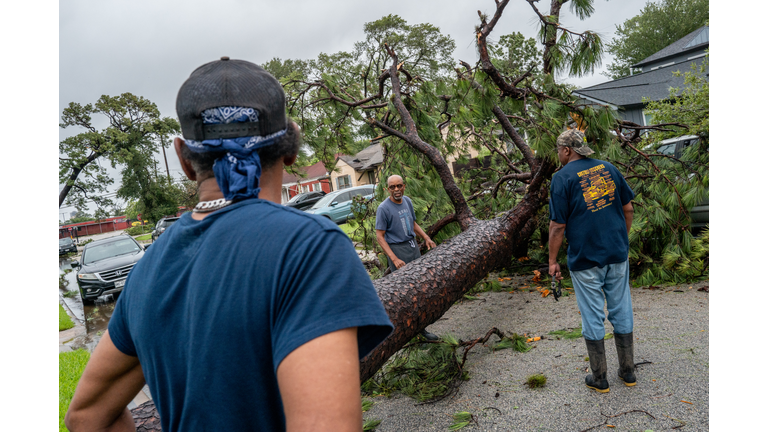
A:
[406, 251]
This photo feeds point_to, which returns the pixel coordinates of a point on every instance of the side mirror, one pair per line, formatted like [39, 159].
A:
[334, 204]
[74, 264]
[146, 246]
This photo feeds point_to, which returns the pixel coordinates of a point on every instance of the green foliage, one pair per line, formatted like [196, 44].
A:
[370, 425]
[134, 125]
[516, 342]
[658, 25]
[663, 248]
[573, 334]
[71, 366]
[366, 404]
[460, 420]
[536, 381]
[423, 373]
[139, 229]
[65, 322]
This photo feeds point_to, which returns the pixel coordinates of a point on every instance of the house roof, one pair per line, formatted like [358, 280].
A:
[312, 172]
[367, 158]
[694, 40]
[631, 90]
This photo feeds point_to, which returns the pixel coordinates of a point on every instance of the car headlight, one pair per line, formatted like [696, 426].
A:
[90, 276]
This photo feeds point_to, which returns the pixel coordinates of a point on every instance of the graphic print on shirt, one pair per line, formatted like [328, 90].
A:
[598, 187]
[405, 221]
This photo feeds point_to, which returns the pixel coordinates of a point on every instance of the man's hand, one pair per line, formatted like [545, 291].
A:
[430, 243]
[398, 262]
[554, 271]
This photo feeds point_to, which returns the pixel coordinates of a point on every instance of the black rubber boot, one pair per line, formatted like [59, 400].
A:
[596, 352]
[429, 336]
[624, 347]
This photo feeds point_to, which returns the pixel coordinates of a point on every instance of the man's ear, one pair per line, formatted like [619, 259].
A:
[185, 164]
[290, 160]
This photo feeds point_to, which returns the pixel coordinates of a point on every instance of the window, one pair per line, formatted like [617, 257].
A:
[343, 182]
[343, 197]
[316, 187]
[305, 188]
[372, 177]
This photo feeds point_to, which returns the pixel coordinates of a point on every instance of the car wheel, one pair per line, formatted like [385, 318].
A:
[86, 301]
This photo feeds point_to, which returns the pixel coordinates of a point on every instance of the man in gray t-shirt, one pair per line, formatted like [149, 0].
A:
[395, 229]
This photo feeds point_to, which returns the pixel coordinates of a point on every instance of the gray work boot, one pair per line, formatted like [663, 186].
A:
[596, 352]
[624, 347]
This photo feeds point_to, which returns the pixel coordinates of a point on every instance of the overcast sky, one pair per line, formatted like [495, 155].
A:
[149, 48]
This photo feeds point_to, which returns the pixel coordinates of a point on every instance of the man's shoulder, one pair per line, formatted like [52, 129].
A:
[282, 217]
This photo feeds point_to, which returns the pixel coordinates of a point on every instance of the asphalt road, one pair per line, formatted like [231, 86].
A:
[672, 336]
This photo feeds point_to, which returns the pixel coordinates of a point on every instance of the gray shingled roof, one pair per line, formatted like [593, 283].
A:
[692, 40]
[631, 90]
[370, 156]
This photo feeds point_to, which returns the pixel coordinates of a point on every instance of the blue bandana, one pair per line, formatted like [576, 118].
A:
[237, 172]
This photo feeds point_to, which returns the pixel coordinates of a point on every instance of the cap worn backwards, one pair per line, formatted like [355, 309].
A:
[575, 139]
[237, 107]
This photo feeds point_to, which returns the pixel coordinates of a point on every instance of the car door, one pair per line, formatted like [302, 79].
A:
[341, 209]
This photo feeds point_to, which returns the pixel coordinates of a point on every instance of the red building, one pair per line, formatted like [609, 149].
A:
[316, 178]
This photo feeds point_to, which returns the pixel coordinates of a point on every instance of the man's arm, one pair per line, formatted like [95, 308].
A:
[320, 384]
[556, 235]
[388, 250]
[110, 381]
[422, 234]
[629, 213]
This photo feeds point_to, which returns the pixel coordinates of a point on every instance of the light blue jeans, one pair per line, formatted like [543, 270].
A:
[597, 287]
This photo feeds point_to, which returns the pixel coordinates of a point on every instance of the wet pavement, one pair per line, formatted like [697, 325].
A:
[91, 321]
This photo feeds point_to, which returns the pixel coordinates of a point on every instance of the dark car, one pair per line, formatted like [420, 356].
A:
[66, 245]
[104, 266]
[162, 225]
[675, 147]
[305, 200]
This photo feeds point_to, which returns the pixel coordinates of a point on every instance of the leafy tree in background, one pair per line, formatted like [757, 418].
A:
[133, 123]
[657, 26]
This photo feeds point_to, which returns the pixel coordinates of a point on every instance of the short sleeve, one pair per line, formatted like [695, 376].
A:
[324, 288]
[558, 201]
[381, 218]
[118, 329]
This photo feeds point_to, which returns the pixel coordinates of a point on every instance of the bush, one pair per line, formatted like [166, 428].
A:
[71, 366]
[65, 322]
[138, 230]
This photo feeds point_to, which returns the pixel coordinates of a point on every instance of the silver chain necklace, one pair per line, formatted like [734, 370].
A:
[209, 206]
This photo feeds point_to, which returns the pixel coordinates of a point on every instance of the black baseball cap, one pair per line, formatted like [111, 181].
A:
[228, 82]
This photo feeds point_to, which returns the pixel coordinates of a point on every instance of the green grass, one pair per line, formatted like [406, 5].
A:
[65, 322]
[144, 237]
[347, 229]
[536, 381]
[71, 366]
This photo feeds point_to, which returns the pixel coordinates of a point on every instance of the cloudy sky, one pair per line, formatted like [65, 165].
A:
[149, 48]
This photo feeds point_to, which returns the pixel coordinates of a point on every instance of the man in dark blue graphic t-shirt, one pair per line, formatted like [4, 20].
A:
[245, 314]
[590, 204]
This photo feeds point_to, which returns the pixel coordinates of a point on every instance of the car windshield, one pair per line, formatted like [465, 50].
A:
[324, 201]
[295, 198]
[109, 250]
[65, 241]
[166, 223]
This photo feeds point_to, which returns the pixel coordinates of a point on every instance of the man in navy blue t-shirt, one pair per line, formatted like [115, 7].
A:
[590, 204]
[245, 314]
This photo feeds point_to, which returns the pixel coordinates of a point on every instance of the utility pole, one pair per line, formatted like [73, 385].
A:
[167, 171]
